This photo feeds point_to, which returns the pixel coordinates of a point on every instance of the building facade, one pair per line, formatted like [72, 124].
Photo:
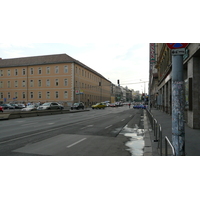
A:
[58, 78]
[161, 92]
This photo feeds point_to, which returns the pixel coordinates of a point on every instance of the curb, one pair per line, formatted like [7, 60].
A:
[147, 139]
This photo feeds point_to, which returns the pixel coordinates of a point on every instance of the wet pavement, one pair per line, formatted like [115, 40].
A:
[135, 132]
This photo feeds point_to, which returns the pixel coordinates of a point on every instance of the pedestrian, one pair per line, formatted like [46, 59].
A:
[129, 105]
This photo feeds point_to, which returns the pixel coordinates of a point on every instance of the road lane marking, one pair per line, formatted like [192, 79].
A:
[108, 126]
[122, 120]
[87, 126]
[28, 124]
[76, 142]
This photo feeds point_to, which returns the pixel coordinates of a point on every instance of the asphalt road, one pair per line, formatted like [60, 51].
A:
[88, 133]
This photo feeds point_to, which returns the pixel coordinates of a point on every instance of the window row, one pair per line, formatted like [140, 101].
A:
[33, 95]
[38, 83]
[39, 70]
[87, 74]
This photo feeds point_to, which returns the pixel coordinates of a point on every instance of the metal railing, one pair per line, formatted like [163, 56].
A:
[157, 129]
[166, 149]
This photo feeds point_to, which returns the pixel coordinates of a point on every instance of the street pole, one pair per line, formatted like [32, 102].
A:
[178, 126]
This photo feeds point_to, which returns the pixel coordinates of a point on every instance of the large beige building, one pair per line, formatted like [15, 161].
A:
[58, 78]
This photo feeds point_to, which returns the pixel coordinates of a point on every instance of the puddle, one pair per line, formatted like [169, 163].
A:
[136, 140]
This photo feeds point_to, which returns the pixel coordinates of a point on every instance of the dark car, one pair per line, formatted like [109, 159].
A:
[7, 106]
[17, 106]
[1, 109]
[77, 106]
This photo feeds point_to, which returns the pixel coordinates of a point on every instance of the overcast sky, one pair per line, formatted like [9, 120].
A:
[111, 37]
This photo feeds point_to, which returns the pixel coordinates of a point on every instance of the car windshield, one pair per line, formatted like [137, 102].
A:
[46, 104]
[76, 104]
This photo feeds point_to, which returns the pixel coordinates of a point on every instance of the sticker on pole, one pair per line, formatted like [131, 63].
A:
[177, 45]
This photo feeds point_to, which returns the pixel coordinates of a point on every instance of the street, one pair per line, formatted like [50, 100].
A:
[88, 133]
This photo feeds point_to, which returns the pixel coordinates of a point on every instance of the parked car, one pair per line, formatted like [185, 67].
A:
[49, 106]
[7, 106]
[98, 106]
[29, 108]
[112, 105]
[21, 106]
[1, 109]
[17, 106]
[77, 106]
[61, 106]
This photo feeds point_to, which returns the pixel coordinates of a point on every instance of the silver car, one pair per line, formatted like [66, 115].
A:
[49, 106]
[29, 108]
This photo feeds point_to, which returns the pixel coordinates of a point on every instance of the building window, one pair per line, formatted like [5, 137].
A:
[65, 95]
[24, 72]
[16, 83]
[8, 84]
[56, 82]
[31, 83]
[39, 83]
[23, 83]
[56, 93]
[8, 72]
[31, 71]
[66, 69]
[31, 95]
[1, 95]
[16, 72]
[8, 95]
[39, 70]
[39, 95]
[48, 70]
[65, 82]
[1, 84]
[48, 82]
[48, 95]
[16, 95]
[1, 72]
[23, 95]
[56, 69]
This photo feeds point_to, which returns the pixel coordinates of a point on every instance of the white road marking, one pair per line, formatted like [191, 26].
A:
[87, 126]
[76, 142]
[108, 126]
[50, 123]
[122, 120]
[28, 124]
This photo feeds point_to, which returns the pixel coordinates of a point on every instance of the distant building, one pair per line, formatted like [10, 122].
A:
[58, 77]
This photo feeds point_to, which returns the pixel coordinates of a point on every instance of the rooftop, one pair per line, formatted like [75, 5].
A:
[43, 60]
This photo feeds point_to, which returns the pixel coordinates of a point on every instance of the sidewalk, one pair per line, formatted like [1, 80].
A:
[192, 136]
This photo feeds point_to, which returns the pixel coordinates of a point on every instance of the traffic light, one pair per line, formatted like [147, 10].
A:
[118, 82]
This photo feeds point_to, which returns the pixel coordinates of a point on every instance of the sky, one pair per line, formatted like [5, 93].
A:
[111, 37]
[128, 63]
